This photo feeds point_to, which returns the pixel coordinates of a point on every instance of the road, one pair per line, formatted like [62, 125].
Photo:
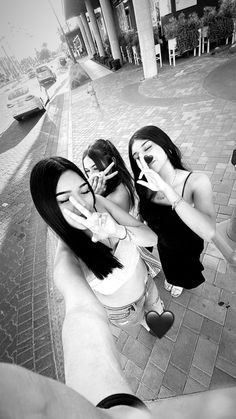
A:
[6, 119]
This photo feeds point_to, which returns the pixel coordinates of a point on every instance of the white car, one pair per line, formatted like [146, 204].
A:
[23, 101]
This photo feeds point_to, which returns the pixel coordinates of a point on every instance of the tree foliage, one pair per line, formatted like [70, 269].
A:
[44, 54]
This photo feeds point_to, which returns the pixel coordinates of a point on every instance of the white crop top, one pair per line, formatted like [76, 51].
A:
[128, 254]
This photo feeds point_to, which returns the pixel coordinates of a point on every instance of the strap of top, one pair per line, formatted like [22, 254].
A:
[185, 183]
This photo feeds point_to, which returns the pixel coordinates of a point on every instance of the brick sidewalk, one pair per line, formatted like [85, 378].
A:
[199, 352]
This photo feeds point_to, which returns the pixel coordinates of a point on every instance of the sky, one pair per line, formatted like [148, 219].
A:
[26, 24]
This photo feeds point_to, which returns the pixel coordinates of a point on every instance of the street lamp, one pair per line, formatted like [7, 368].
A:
[12, 67]
[62, 30]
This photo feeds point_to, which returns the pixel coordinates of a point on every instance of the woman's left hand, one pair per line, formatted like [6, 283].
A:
[102, 225]
[154, 180]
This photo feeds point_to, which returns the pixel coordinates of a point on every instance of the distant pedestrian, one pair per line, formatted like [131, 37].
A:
[176, 203]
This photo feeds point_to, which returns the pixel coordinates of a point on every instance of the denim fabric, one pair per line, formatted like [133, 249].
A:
[134, 312]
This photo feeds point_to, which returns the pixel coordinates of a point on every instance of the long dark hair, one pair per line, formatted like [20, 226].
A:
[159, 137]
[43, 182]
[103, 153]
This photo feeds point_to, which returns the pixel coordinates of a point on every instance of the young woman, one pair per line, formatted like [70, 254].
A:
[100, 237]
[176, 203]
[108, 175]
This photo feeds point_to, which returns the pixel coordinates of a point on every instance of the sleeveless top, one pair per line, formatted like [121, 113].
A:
[128, 254]
[179, 247]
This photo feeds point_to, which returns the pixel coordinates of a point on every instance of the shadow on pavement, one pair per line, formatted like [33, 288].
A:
[23, 286]
[221, 82]
[17, 132]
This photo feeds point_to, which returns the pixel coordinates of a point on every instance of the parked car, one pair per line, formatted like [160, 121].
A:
[23, 101]
[31, 74]
[45, 75]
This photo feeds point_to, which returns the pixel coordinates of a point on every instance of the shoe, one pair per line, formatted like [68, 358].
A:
[167, 286]
[176, 291]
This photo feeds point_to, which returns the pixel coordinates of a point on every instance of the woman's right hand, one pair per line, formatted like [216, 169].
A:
[102, 225]
[98, 180]
[154, 180]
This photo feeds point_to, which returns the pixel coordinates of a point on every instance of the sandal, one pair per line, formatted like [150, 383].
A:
[176, 291]
[167, 286]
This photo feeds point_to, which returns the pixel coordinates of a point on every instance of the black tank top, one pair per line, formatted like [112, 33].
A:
[172, 232]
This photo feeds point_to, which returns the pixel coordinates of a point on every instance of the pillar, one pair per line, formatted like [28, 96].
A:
[82, 30]
[146, 39]
[95, 28]
[111, 28]
[88, 33]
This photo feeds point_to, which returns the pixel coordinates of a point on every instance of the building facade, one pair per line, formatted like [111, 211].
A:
[103, 23]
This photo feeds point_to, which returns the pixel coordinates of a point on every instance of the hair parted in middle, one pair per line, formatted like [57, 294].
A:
[103, 153]
[43, 183]
[159, 137]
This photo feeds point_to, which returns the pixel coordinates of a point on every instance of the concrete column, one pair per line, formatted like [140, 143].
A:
[86, 42]
[146, 39]
[111, 29]
[95, 28]
[88, 33]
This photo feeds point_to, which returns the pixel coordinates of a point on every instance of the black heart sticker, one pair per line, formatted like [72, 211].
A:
[148, 159]
[160, 323]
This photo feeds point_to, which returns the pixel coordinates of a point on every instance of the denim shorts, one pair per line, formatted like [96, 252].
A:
[132, 313]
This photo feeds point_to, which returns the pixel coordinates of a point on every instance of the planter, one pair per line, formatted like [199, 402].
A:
[116, 64]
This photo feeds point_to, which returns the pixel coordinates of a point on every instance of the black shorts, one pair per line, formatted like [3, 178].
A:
[121, 399]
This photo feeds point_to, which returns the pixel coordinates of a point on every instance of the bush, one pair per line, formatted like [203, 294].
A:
[116, 65]
[220, 28]
[209, 15]
[187, 32]
[170, 28]
[228, 8]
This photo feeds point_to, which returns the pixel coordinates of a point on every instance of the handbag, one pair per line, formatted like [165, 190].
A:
[152, 263]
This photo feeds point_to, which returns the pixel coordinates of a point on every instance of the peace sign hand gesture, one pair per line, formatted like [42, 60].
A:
[154, 180]
[102, 225]
[98, 180]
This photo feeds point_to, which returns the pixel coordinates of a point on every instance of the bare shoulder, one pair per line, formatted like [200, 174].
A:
[199, 180]
[120, 195]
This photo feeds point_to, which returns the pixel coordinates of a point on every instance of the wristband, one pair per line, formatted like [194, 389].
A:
[175, 203]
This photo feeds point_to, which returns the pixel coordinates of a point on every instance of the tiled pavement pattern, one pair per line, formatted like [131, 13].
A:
[199, 352]
[25, 331]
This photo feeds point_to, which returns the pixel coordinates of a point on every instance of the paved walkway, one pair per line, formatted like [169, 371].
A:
[199, 352]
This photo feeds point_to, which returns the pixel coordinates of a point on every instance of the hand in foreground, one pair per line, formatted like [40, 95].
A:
[98, 180]
[154, 180]
[102, 225]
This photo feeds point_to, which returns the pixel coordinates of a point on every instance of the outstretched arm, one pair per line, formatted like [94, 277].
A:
[92, 365]
[139, 233]
[27, 395]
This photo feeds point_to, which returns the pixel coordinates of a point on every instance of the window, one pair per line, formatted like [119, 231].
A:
[18, 92]
[41, 69]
